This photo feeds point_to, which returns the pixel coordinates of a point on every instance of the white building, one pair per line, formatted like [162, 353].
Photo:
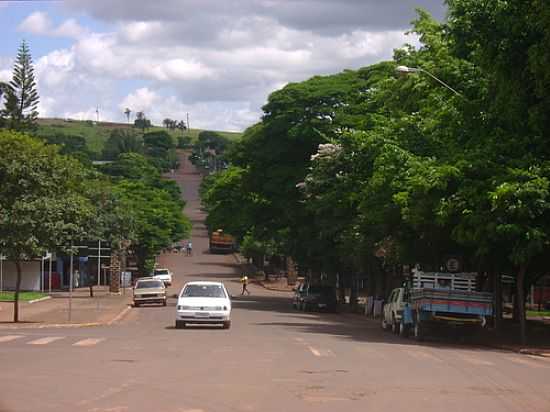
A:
[30, 275]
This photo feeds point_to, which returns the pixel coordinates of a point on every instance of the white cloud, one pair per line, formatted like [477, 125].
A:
[218, 63]
[39, 23]
[36, 23]
[142, 100]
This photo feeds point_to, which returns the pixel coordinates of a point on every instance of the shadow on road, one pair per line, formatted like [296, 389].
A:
[346, 326]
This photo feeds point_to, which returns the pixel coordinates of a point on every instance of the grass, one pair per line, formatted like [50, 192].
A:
[536, 313]
[26, 296]
[97, 133]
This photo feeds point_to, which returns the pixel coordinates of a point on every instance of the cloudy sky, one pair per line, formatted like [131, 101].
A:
[217, 60]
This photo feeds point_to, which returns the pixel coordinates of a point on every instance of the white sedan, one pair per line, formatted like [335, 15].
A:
[203, 303]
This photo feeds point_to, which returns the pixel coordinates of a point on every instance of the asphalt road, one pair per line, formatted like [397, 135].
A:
[272, 359]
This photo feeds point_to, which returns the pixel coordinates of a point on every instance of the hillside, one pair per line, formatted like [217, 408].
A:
[96, 133]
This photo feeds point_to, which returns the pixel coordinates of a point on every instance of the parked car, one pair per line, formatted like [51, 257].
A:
[163, 274]
[203, 303]
[314, 297]
[149, 290]
[393, 310]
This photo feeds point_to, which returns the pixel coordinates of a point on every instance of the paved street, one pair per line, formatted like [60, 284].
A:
[272, 359]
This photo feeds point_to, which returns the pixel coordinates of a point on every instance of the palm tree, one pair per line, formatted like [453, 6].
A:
[127, 113]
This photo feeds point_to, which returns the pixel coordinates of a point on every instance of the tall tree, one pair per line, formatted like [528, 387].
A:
[42, 201]
[127, 112]
[21, 94]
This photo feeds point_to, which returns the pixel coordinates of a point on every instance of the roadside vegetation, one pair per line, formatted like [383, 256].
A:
[24, 296]
[369, 172]
[52, 196]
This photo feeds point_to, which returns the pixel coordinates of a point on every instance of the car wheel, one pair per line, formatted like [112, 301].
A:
[136, 305]
[227, 324]
[164, 303]
[180, 324]
[394, 325]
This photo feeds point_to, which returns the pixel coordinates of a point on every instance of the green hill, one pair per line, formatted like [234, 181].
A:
[96, 133]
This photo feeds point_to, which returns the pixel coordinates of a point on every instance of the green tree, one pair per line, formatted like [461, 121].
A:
[158, 219]
[122, 141]
[21, 95]
[127, 112]
[42, 206]
[142, 122]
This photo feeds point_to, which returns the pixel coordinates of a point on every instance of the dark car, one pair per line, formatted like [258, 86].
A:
[313, 297]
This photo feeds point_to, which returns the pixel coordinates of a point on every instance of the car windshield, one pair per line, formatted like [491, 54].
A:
[161, 271]
[203, 291]
[148, 284]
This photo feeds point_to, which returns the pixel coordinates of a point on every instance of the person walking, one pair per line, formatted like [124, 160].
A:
[244, 281]
[189, 248]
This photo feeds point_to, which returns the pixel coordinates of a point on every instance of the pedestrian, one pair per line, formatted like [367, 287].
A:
[189, 248]
[244, 281]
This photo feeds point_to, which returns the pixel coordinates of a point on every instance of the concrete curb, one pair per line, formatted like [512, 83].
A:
[117, 318]
[39, 300]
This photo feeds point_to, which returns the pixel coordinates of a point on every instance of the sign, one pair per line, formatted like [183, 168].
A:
[453, 265]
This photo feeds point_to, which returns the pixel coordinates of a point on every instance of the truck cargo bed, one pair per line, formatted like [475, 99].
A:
[452, 301]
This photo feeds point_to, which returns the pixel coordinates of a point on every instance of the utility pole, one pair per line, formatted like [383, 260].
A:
[50, 275]
[71, 283]
[97, 113]
[99, 263]
[188, 128]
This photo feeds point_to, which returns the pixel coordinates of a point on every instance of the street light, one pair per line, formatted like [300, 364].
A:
[407, 70]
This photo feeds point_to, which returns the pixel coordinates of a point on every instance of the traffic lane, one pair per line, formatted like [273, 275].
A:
[263, 363]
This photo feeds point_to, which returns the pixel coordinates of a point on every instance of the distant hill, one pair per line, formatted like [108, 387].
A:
[96, 133]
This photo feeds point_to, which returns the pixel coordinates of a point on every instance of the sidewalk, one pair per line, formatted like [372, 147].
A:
[103, 308]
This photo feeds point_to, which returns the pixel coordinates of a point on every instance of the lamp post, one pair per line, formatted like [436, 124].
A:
[2, 258]
[407, 70]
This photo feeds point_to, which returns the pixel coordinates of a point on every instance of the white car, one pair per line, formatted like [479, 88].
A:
[162, 274]
[203, 303]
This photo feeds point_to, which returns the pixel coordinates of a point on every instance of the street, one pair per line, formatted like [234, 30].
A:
[273, 358]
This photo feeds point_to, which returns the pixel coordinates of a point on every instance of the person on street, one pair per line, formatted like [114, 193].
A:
[244, 281]
[189, 248]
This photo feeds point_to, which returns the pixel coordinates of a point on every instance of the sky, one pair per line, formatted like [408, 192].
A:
[217, 60]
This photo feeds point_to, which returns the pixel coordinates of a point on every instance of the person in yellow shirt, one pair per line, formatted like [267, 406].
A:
[244, 281]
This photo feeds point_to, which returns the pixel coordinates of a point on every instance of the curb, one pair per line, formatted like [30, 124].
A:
[117, 318]
[39, 300]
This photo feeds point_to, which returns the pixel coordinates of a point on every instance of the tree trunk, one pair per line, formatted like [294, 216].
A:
[16, 296]
[520, 302]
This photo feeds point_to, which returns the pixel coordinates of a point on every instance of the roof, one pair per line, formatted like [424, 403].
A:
[204, 282]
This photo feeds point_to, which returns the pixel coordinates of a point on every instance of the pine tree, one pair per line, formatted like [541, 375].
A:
[21, 95]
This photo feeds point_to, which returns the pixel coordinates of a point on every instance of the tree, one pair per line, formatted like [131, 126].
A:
[141, 121]
[122, 141]
[159, 220]
[21, 95]
[127, 112]
[42, 201]
[3, 88]
[180, 125]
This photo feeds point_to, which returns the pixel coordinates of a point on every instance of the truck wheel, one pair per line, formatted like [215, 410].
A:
[418, 332]
[403, 329]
